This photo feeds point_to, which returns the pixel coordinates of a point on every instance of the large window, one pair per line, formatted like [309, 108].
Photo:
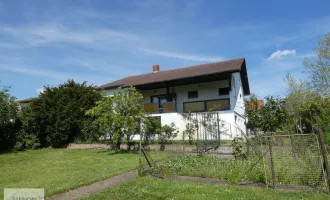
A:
[192, 94]
[220, 104]
[161, 100]
[209, 105]
[194, 106]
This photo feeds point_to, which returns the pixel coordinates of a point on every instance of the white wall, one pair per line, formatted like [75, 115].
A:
[206, 91]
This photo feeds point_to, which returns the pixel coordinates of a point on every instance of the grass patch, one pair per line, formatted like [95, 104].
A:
[211, 167]
[149, 188]
[59, 170]
[289, 171]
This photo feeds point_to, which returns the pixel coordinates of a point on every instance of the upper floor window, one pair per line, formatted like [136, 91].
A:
[224, 91]
[192, 94]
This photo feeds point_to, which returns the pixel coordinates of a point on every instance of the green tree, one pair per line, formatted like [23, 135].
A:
[298, 94]
[8, 119]
[167, 133]
[57, 116]
[191, 126]
[318, 68]
[269, 118]
[124, 114]
[151, 128]
[253, 113]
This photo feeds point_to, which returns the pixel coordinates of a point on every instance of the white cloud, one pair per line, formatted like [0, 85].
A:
[40, 90]
[281, 53]
[37, 35]
[181, 56]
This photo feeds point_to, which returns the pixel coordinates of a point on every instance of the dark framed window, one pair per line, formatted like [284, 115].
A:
[196, 106]
[192, 94]
[219, 104]
[161, 99]
[224, 91]
[208, 105]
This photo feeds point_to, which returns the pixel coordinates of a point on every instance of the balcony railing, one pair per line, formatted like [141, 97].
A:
[153, 108]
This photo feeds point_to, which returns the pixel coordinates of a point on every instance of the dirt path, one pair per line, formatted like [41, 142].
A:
[96, 187]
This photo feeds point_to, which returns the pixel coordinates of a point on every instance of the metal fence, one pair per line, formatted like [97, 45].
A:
[278, 160]
[293, 160]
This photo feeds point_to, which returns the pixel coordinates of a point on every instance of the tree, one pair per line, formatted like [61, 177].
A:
[57, 116]
[167, 133]
[253, 113]
[319, 68]
[191, 126]
[124, 114]
[298, 94]
[8, 119]
[151, 128]
[269, 118]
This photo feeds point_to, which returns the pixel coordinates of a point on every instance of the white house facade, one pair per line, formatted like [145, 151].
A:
[196, 89]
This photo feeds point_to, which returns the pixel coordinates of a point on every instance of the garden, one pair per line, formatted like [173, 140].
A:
[34, 137]
[59, 170]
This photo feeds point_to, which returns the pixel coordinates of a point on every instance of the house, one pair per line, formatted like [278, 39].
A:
[197, 89]
[22, 103]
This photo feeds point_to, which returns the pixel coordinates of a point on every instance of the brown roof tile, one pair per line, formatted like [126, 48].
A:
[179, 73]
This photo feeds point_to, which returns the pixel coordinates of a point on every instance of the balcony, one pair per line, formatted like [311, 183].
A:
[153, 108]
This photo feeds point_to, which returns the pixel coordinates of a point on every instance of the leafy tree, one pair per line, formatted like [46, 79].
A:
[124, 114]
[8, 119]
[253, 113]
[298, 95]
[191, 126]
[317, 112]
[167, 133]
[57, 116]
[269, 118]
[319, 68]
[151, 128]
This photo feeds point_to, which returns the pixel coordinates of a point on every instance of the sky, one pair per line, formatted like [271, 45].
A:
[48, 42]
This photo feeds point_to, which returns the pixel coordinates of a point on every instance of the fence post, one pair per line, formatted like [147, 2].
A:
[324, 155]
[218, 129]
[270, 144]
[183, 143]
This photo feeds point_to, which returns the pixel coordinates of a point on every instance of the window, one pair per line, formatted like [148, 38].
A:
[220, 104]
[194, 106]
[192, 94]
[161, 99]
[224, 91]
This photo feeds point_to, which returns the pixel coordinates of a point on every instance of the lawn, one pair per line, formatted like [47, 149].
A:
[289, 171]
[58, 170]
[151, 188]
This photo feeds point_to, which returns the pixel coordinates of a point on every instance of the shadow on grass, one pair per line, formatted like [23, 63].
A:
[114, 152]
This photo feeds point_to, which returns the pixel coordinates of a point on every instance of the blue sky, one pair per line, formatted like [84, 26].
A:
[48, 42]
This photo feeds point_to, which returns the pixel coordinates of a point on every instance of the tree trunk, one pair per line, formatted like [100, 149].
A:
[118, 145]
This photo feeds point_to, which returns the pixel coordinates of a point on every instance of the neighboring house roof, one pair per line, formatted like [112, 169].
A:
[255, 105]
[227, 66]
[28, 100]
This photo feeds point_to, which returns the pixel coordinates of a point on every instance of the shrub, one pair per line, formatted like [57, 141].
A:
[238, 148]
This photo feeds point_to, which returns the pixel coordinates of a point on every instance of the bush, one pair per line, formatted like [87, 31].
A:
[238, 148]
[57, 116]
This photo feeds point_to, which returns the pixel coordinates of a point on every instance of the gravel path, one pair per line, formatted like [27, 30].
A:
[96, 187]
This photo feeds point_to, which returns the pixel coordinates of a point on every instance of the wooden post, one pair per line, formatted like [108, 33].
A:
[218, 129]
[270, 144]
[324, 154]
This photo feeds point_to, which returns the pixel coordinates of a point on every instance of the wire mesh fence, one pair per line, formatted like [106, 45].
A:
[277, 160]
[293, 160]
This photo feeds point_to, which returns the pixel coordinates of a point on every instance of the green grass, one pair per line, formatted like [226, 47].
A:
[211, 167]
[150, 188]
[59, 170]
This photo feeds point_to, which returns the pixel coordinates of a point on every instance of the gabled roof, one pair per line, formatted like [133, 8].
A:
[28, 100]
[227, 66]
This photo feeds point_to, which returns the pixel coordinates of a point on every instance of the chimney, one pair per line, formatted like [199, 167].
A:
[155, 68]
